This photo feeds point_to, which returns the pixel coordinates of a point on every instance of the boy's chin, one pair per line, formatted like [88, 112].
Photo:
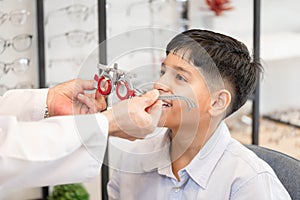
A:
[162, 120]
[166, 121]
[163, 124]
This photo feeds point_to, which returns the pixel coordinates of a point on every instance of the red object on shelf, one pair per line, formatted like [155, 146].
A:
[218, 6]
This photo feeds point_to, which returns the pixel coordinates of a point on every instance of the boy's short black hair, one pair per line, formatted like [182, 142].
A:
[219, 57]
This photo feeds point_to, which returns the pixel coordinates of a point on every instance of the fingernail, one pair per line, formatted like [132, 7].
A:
[80, 96]
[95, 84]
[155, 93]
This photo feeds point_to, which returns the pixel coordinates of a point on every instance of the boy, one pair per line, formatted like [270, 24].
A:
[197, 158]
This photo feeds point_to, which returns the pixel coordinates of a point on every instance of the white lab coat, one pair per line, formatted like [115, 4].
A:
[39, 152]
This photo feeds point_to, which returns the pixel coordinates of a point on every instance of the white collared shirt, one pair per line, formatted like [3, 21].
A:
[223, 169]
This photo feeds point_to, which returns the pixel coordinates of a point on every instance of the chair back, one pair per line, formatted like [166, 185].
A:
[286, 168]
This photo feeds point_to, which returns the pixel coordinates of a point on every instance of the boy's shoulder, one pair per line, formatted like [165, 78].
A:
[246, 159]
[242, 168]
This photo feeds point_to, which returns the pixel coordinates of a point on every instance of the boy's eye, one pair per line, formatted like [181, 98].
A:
[181, 78]
[162, 72]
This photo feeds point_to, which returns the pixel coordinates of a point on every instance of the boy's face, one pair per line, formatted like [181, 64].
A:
[178, 77]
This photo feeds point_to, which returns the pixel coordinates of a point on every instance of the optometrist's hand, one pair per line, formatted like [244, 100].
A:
[70, 98]
[136, 117]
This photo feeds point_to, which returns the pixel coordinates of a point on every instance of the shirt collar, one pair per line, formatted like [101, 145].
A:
[202, 166]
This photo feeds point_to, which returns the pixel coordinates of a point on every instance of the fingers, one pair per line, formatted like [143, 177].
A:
[85, 100]
[79, 86]
[155, 111]
[79, 108]
[86, 84]
[84, 109]
[149, 98]
[93, 105]
[99, 102]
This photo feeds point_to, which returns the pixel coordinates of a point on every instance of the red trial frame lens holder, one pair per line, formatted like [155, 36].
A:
[118, 81]
[108, 81]
[129, 89]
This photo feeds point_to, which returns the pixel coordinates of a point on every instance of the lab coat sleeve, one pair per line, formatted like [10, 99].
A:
[25, 105]
[113, 188]
[57, 150]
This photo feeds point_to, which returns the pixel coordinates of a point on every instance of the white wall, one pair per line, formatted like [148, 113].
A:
[280, 85]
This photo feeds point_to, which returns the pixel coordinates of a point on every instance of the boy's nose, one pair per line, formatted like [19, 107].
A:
[161, 87]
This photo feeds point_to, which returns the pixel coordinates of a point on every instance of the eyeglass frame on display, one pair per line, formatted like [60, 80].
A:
[7, 43]
[148, 3]
[88, 11]
[8, 16]
[76, 61]
[6, 67]
[76, 31]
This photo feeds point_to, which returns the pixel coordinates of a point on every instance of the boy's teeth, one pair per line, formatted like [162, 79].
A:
[167, 105]
[190, 103]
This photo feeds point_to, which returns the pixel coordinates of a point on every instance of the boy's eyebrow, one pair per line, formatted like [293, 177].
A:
[178, 68]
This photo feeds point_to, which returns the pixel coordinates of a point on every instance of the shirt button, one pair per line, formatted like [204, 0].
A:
[176, 189]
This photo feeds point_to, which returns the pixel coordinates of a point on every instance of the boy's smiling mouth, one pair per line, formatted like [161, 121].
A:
[166, 104]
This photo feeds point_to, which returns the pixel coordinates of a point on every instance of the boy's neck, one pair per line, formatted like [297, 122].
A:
[183, 151]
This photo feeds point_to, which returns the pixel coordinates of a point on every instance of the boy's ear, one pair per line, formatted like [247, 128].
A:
[220, 102]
